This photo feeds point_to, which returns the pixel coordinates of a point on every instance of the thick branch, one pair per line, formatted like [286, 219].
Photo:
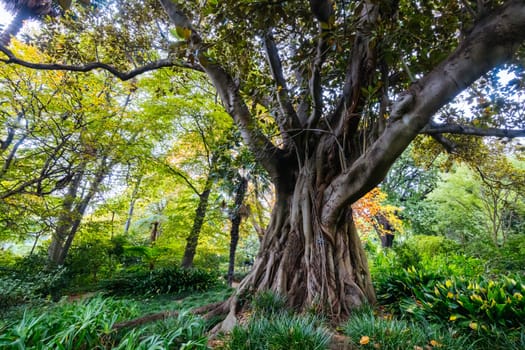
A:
[12, 59]
[433, 129]
[324, 12]
[493, 41]
[290, 120]
[346, 117]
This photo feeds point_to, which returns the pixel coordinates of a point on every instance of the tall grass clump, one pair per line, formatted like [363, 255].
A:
[267, 303]
[272, 326]
[284, 331]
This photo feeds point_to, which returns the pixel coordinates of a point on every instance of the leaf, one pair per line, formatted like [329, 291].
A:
[364, 340]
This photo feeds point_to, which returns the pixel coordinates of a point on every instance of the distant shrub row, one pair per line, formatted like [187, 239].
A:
[161, 281]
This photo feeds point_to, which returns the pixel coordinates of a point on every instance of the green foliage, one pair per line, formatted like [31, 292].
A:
[268, 303]
[282, 331]
[89, 325]
[481, 304]
[507, 258]
[487, 307]
[28, 279]
[161, 281]
[370, 331]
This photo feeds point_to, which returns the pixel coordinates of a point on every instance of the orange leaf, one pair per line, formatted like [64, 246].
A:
[364, 340]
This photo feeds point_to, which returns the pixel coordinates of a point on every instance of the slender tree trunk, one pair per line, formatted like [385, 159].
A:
[193, 238]
[132, 205]
[154, 231]
[65, 219]
[15, 26]
[73, 211]
[236, 218]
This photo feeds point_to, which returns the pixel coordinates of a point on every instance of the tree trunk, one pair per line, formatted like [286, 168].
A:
[317, 268]
[193, 237]
[236, 218]
[73, 210]
[154, 234]
[134, 197]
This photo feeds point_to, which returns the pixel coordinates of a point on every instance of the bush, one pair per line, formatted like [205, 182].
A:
[368, 331]
[481, 305]
[161, 281]
[17, 288]
[283, 331]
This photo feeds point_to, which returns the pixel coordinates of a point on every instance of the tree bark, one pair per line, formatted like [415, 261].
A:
[236, 218]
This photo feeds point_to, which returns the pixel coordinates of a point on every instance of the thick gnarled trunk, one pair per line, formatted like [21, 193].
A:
[315, 267]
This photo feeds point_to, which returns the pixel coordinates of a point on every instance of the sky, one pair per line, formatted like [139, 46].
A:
[5, 17]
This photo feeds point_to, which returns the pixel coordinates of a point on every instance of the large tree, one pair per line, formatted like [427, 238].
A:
[325, 74]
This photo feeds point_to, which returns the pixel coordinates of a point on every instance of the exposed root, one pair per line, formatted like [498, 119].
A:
[207, 311]
[145, 319]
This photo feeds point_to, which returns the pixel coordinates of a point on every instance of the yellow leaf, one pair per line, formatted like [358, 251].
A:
[435, 343]
[453, 317]
[364, 340]
[448, 283]
[450, 295]
[473, 325]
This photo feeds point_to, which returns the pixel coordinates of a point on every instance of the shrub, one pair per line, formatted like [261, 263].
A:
[161, 281]
[481, 305]
[368, 331]
[284, 331]
[17, 288]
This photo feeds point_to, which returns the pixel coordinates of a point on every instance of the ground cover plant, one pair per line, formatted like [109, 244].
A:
[89, 324]
[272, 326]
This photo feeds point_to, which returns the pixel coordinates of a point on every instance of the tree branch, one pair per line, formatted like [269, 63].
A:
[12, 59]
[324, 12]
[346, 118]
[265, 152]
[182, 176]
[493, 41]
[291, 120]
[449, 146]
[433, 129]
